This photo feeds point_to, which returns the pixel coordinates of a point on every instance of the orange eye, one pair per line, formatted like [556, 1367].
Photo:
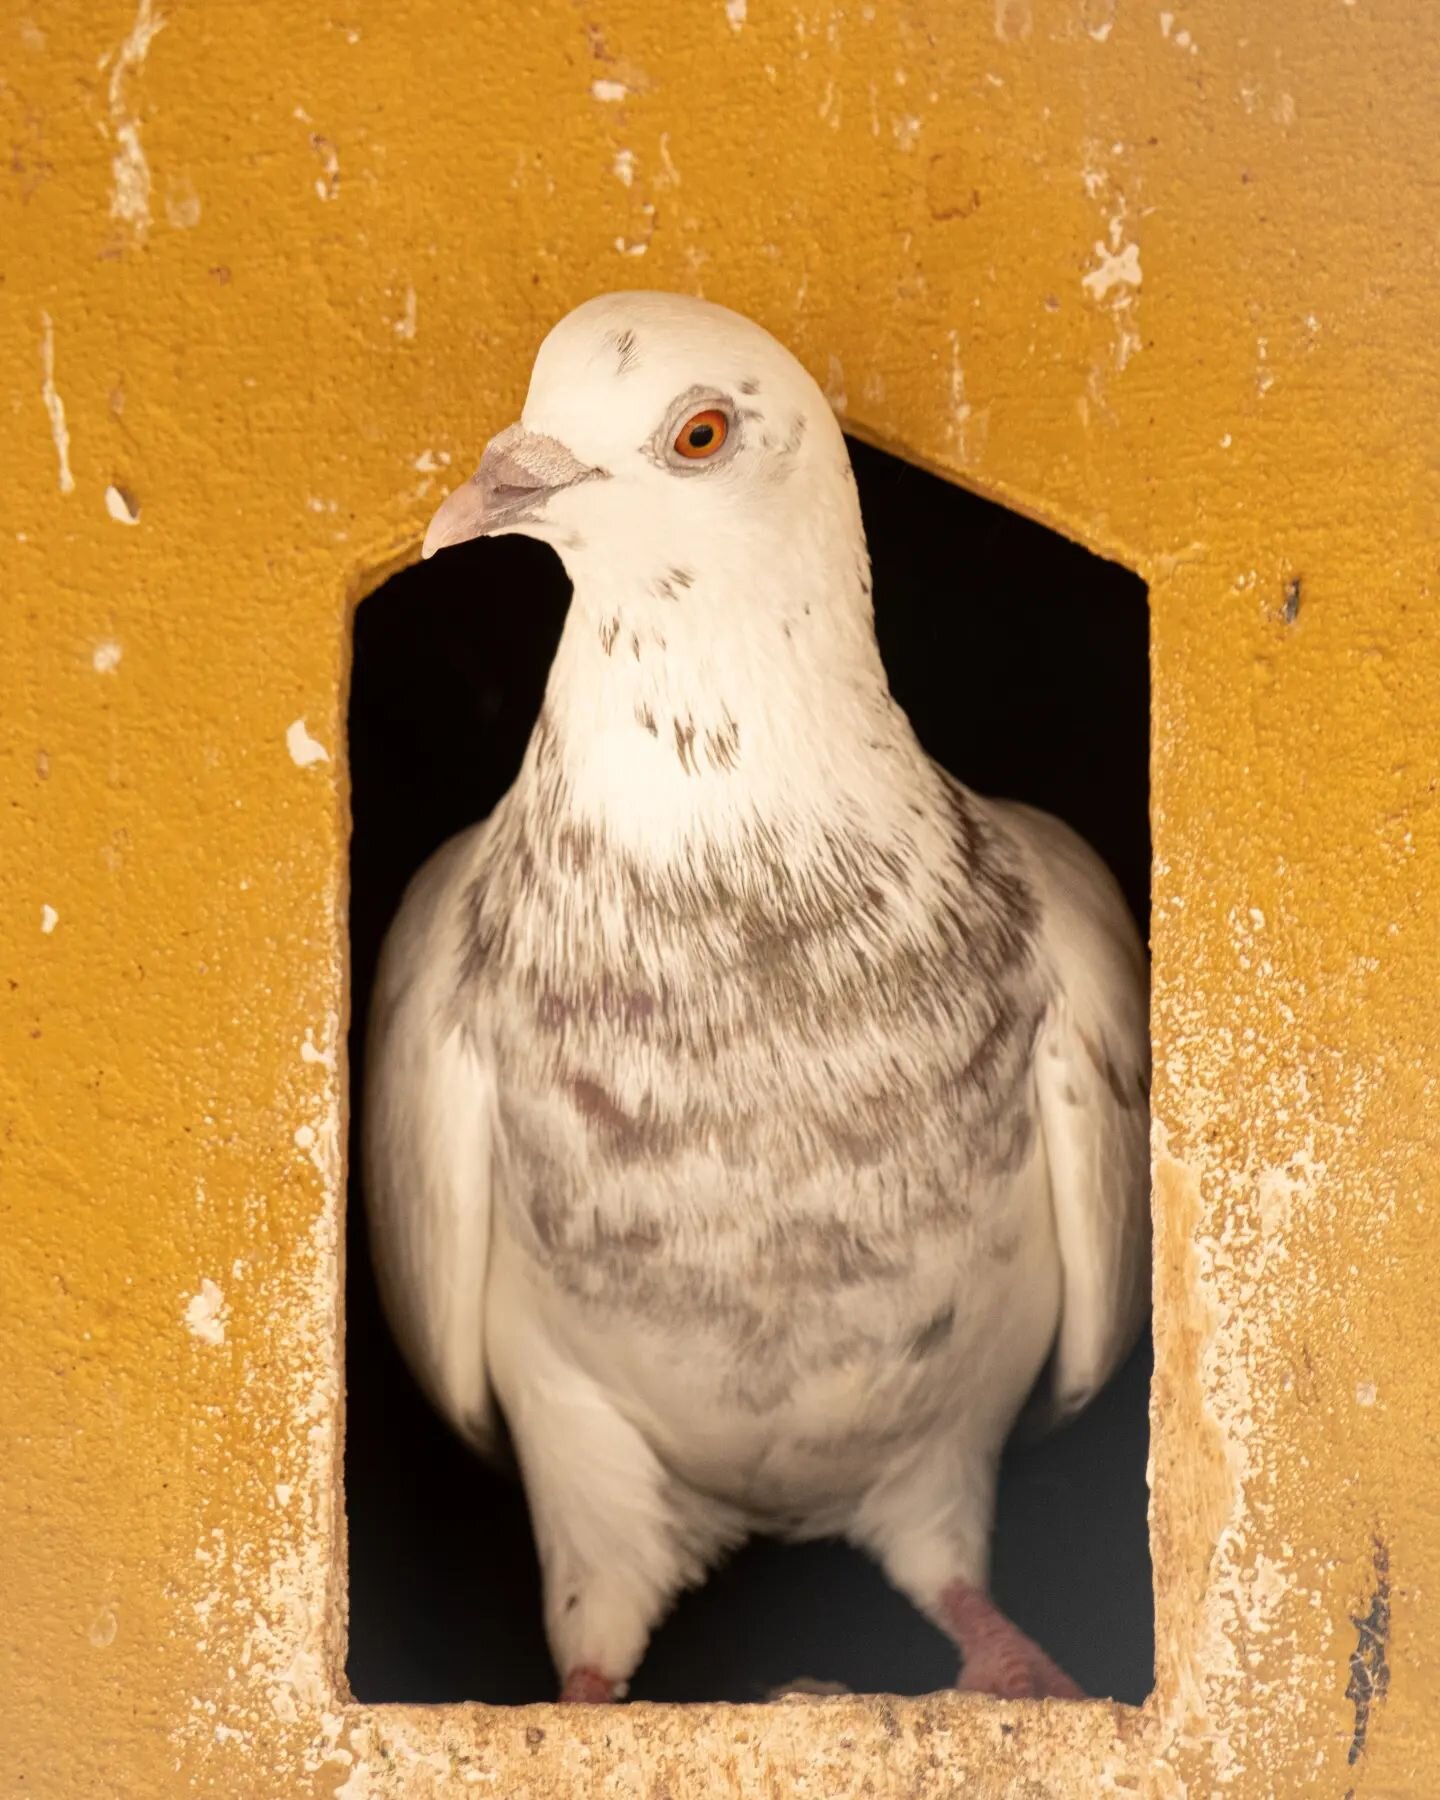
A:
[702, 435]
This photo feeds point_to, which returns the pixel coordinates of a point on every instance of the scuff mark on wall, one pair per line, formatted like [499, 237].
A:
[129, 171]
[54, 405]
[1369, 1660]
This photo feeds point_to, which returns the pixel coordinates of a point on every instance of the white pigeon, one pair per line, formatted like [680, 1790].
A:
[753, 1112]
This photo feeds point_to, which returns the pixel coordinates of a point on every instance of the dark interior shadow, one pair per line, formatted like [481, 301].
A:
[1023, 662]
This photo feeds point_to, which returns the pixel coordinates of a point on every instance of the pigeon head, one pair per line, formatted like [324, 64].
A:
[658, 430]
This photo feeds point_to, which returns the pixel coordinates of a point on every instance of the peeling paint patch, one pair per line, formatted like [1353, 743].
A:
[105, 658]
[304, 749]
[54, 405]
[122, 505]
[206, 1313]
[129, 171]
[49, 919]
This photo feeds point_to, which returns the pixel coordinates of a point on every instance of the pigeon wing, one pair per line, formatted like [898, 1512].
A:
[428, 1134]
[1092, 1071]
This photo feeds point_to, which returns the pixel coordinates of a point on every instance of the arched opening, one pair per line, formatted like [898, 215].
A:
[1023, 662]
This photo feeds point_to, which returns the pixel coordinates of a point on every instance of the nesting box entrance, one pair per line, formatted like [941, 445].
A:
[1022, 661]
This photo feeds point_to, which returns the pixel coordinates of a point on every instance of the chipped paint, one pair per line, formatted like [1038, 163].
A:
[49, 918]
[609, 91]
[305, 751]
[121, 505]
[129, 171]
[1113, 268]
[54, 406]
[206, 1313]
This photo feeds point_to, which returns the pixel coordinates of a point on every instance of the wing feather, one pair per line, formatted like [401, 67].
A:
[1092, 1065]
[428, 1132]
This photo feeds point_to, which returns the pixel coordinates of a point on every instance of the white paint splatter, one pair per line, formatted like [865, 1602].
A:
[735, 13]
[624, 167]
[304, 749]
[1167, 19]
[626, 248]
[129, 171]
[1115, 267]
[103, 1628]
[609, 90]
[49, 919]
[54, 405]
[405, 324]
[429, 462]
[906, 131]
[206, 1313]
[105, 658]
[1101, 32]
[122, 507]
[1366, 1393]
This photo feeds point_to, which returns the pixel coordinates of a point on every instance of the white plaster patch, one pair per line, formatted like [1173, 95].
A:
[735, 13]
[129, 171]
[122, 507]
[206, 1313]
[304, 749]
[609, 91]
[624, 167]
[49, 919]
[54, 405]
[1115, 268]
[105, 658]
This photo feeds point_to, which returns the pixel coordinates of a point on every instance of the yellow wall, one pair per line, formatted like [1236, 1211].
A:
[274, 272]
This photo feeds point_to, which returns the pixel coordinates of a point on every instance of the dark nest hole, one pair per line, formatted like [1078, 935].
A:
[1023, 662]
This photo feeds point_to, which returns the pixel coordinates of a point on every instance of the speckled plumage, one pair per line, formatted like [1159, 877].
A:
[753, 1110]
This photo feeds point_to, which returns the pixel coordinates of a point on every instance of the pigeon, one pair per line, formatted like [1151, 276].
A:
[756, 1119]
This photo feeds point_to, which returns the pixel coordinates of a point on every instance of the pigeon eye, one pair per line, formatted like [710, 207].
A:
[703, 434]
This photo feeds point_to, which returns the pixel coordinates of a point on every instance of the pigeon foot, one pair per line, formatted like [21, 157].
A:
[589, 1687]
[999, 1658]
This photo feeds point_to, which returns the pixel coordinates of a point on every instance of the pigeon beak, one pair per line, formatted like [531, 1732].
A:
[518, 473]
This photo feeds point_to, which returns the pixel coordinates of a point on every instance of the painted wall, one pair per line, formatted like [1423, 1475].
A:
[271, 275]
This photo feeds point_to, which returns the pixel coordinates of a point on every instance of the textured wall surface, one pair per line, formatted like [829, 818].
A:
[271, 275]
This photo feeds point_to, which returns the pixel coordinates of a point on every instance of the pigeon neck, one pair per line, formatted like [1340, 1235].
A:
[695, 702]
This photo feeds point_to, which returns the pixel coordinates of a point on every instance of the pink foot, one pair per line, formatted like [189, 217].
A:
[588, 1686]
[999, 1658]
